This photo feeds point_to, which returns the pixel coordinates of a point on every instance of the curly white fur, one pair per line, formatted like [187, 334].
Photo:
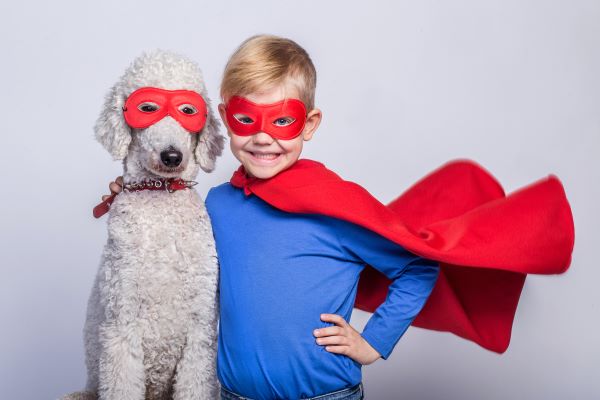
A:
[151, 322]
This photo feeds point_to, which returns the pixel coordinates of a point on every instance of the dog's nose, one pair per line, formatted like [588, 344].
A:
[171, 158]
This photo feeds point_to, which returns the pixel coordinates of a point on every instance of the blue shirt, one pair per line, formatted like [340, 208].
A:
[278, 273]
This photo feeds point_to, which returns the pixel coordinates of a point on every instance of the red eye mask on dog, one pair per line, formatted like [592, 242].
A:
[273, 118]
[148, 105]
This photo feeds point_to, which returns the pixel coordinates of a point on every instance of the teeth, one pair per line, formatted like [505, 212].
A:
[266, 156]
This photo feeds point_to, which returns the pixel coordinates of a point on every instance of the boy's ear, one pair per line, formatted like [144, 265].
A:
[223, 114]
[210, 143]
[111, 129]
[313, 120]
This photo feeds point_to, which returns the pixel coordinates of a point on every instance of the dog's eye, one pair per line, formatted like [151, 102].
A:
[244, 119]
[188, 109]
[148, 107]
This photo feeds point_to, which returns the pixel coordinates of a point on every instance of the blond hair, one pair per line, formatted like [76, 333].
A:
[263, 61]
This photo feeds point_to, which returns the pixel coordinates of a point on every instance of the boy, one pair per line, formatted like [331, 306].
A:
[285, 277]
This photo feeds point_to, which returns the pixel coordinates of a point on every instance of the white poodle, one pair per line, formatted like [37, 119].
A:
[150, 331]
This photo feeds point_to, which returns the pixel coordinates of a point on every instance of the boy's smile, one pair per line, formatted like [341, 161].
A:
[262, 155]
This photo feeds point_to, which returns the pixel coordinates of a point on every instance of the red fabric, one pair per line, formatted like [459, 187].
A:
[185, 106]
[264, 116]
[486, 242]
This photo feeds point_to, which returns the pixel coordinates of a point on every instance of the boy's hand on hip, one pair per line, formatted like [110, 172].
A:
[115, 187]
[344, 339]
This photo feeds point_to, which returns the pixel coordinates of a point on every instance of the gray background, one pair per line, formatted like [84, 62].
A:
[404, 86]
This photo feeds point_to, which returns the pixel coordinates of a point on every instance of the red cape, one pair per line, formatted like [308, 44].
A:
[486, 242]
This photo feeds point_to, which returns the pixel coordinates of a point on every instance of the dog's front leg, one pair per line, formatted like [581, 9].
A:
[196, 372]
[121, 369]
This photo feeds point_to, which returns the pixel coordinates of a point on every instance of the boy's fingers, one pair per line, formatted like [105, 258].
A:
[114, 187]
[337, 349]
[106, 196]
[329, 331]
[119, 180]
[336, 319]
[329, 340]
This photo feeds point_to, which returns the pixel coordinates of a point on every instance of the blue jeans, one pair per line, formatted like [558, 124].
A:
[353, 393]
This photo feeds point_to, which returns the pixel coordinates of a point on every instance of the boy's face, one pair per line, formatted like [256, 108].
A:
[262, 155]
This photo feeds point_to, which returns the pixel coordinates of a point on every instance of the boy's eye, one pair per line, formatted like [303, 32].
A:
[188, 109]
[285, 121]
[148, 107]
[244, 119]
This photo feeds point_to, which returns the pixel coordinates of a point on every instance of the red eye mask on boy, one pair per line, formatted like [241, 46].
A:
[148, 105]
[254, 118]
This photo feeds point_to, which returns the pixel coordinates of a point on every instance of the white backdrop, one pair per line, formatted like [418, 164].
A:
[404, 87]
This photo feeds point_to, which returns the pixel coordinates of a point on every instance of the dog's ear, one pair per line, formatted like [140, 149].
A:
[210, 143]
[111, 129]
